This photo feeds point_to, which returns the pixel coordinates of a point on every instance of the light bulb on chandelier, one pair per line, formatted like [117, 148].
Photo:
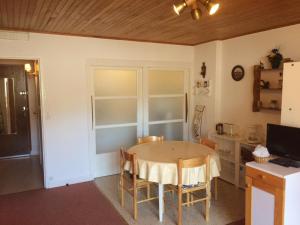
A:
[196, 13]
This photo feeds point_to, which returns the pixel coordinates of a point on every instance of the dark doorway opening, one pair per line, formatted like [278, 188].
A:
[21, 155]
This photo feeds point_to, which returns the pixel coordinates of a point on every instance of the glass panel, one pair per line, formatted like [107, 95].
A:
[7, 106]
[115, 82]
[166, 82]
[171, 131]
[165, 108]
[111, 139]
[115, 111]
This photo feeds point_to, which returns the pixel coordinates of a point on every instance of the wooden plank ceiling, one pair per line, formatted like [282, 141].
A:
[146, 20]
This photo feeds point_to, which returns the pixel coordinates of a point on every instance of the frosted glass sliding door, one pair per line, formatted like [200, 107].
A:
[115, 115]
[167, 104]
[130, 103]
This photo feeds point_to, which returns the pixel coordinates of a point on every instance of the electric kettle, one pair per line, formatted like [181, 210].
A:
[220, 128]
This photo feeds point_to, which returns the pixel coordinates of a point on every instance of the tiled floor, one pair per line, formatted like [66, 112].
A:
[21, 174]
[228, 208]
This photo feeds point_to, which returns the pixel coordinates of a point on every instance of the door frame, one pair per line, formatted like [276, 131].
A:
[41, 95]
[129, 64]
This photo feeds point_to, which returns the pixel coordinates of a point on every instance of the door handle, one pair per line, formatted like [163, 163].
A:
[92, 108]
[186, 107]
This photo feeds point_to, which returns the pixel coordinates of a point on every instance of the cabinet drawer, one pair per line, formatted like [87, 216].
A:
[265, 177]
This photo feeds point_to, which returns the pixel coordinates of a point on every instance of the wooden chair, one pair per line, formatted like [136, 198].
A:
[148, 139]
[129, 182]
[191, 197]
[211, 144]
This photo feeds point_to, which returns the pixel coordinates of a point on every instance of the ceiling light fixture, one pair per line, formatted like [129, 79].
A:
[211, 7]
[196, 13]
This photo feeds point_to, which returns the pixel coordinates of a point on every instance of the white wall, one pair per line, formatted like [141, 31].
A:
[208, 53]
[236, 97]
[64, 85]
[63, 61]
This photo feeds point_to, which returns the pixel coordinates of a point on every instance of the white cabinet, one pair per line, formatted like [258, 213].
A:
[272, 194]
[229, 152]
[290, 95]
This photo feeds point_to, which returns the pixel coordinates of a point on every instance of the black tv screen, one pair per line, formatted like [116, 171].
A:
[284, 141]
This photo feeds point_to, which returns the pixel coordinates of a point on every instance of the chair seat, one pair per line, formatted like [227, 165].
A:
[140, 182]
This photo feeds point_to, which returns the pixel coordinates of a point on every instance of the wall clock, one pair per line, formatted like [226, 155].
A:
[238, 73]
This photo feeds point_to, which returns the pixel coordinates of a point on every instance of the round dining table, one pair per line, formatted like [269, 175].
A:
[157, 162]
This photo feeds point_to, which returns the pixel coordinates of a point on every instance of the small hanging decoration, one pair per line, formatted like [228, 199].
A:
[203, 70]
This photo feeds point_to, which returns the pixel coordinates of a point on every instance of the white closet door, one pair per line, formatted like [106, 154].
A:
[116, 115]
[290, 97]
[166, 104]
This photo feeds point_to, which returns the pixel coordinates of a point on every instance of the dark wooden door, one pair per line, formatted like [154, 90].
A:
[14, 111]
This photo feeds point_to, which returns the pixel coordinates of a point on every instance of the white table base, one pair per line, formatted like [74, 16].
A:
[161, 201]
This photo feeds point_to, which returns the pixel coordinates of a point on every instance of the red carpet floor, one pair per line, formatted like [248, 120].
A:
[79, 204]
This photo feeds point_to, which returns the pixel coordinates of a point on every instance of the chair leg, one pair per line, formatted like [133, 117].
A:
[179, 209]
[148, 190]
[192, 199]
[188, 199]
[135, 203]
[216, 188]
[207, 207]
[121, 191]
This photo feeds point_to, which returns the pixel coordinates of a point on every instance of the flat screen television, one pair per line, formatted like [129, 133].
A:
[284, 141]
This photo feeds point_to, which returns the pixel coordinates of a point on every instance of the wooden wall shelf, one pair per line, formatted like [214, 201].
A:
[257, 105]
[271, 89]
[270, 109]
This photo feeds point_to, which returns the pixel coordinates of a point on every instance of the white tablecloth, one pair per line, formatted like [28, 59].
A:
[157, 162]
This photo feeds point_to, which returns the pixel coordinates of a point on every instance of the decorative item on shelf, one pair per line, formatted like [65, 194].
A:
[230, 129]
[252, 135]
[238, 73]
[261, 65]
[196, 12]
[203, 70]
[275, 58]
[264, 84]
[274, 104]
[220, 128]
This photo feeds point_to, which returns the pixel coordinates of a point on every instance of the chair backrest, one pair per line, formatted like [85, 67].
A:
[209, 143]
[125, 156]
[192, 163]
[148, 139]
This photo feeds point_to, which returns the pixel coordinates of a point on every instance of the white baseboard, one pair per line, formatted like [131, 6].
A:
[60, 183]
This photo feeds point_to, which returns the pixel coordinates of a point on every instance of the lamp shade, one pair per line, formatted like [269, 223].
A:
[178, 8]
[212, 7]
[196, 14]
[27, 67]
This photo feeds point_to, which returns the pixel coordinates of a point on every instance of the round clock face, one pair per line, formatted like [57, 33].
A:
[238, 73]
